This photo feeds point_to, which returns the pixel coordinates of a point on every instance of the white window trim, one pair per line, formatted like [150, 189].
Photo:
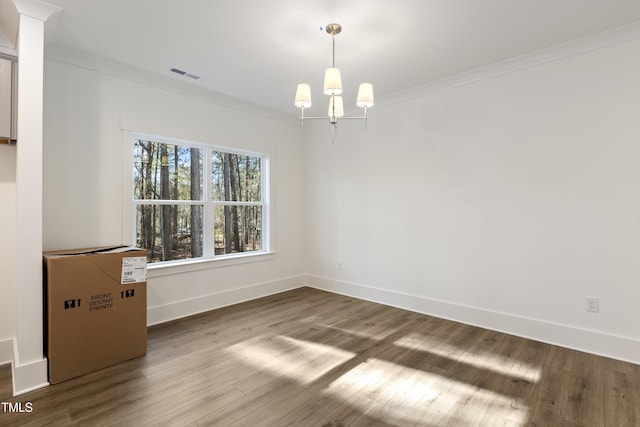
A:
[208, 260]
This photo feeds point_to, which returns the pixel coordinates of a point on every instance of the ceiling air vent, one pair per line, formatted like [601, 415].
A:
[184, 73]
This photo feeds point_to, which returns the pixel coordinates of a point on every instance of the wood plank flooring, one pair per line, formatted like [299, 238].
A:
[312, 358]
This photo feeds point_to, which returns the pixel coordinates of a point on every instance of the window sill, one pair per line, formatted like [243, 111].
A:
[185, 266]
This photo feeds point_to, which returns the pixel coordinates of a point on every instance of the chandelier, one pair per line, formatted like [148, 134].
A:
[333, 88]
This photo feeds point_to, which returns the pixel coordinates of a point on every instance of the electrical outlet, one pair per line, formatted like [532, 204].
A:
[339, 265]
[593, 305]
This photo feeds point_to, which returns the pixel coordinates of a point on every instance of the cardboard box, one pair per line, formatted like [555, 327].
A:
[96, 309]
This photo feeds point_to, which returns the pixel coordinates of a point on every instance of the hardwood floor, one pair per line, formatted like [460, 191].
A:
[311, 358]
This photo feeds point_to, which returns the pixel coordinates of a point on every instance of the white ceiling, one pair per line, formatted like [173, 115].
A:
[258, 50]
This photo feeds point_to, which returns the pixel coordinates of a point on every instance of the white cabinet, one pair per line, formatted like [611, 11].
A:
[8, 102]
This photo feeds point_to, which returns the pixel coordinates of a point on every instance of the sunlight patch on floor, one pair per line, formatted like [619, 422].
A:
[402, 396]
[479, 359]
[300, 360]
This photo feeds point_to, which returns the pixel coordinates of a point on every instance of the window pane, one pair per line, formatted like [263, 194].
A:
[237, 229]
[236, 177]
[169, 232]
[166, 172]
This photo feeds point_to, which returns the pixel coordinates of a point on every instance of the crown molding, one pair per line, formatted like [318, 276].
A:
[579, 46]
[168, 83]
[36, 9]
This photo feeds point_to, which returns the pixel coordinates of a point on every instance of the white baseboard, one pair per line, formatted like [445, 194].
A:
[607, 345]
[30, 376]
[180, 309]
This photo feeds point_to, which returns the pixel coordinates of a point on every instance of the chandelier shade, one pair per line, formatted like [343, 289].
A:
[332, 82]
[303, 96]
[365, 95]
[336, 106]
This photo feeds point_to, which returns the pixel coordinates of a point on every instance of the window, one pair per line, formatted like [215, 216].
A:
[194, 201]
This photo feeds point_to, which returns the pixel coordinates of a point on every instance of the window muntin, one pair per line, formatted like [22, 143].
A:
[177, 218]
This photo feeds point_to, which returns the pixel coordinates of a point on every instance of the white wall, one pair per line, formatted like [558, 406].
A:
[503, 202]
[88, 103]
